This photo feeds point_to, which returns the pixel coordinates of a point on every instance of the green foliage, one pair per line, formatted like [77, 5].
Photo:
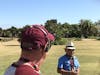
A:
[85, 29]
[62, 41]
[88, 28]
[51, 26]
[98, 38]
[78, 39]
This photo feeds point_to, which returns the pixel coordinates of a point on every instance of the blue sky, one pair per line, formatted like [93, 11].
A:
[19, 13]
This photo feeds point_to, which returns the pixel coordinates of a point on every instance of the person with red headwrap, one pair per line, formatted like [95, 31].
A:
[35, 43]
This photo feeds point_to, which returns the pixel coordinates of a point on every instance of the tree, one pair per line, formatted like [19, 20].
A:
[1, 31]
[51, 25]
[65, 29]
[97, 23]
[87, 28]
[54, 28]
[75, 31]
[13, 31]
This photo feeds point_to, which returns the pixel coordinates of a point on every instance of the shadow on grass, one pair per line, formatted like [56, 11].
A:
[11, 45]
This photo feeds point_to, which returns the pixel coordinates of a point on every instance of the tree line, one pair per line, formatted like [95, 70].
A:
[85, 28]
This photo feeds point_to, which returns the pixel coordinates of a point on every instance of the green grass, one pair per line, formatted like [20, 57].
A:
[87, 51]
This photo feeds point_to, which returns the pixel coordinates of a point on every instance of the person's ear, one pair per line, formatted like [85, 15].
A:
[47, 46]
[42, 50]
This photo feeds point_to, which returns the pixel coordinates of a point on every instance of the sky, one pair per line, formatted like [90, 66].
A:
[19, 13]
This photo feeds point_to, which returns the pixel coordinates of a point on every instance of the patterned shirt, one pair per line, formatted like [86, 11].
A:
[65, 63]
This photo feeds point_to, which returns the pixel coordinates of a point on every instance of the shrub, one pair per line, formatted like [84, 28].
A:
[98, 38]
[60, 42]
[78, 39]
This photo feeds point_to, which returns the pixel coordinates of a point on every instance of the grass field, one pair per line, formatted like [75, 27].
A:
[87, 51]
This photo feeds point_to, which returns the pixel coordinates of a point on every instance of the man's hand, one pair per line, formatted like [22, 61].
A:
[65, 72]
[74, 72]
